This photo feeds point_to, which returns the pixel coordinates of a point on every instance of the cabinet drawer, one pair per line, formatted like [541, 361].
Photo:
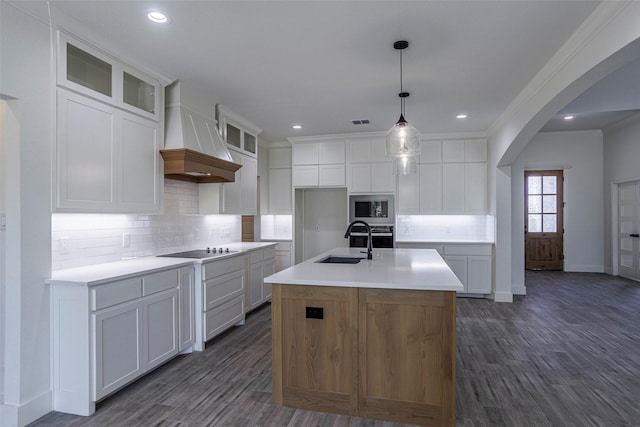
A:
[255, 256]
[223, 266]
[222, 289]
[269, 253]
[467, 249]
[158, 282]
[223, 316]
[115, 293]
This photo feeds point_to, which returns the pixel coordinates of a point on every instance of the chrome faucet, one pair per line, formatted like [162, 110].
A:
[368, 227]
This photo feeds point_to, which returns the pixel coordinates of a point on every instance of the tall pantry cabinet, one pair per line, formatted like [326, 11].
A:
[108, 133]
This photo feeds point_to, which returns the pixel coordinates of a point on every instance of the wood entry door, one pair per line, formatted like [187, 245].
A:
[543, 220]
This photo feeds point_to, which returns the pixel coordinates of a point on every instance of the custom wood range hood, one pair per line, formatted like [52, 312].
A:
[194, 150]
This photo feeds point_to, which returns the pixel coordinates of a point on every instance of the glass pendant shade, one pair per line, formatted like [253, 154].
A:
[403, 140]
[405, 165]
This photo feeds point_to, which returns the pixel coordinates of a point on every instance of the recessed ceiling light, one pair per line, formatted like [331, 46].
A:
[297, 126]
[568, 117]
[158, 17]
[461, 116]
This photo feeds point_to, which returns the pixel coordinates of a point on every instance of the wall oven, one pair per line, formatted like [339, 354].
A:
[372, 209]
[381, 236]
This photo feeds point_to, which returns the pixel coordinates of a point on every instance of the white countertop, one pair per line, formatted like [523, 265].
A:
[92, 275]
[418, 269]
[447, 241]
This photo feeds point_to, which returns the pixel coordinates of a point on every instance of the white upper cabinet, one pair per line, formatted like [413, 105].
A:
[239, 134]
[451, 179]
[240, 197]
[91, 72]
[318, 164]
[280, 191]
[108, 133]
[369, 170]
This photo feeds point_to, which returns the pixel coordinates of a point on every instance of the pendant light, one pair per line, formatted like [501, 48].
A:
[403, 140]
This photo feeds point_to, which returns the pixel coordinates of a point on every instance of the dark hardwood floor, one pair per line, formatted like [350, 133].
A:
[567, 354]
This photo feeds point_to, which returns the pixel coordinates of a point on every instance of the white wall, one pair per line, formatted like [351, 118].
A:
[579, 155]
[621, 163]
[26, 80]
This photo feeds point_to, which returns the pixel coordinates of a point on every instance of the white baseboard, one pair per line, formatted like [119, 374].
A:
[502, 297]
[583, 268]
[21, 415]
[519, 289]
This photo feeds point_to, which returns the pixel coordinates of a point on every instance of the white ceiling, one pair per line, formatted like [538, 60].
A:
[322, 64]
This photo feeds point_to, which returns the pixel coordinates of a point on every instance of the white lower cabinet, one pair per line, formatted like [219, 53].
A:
[219, 297]
[283, 256]
[472, 264]
[260, 264]
[107, 335]
[187, 333]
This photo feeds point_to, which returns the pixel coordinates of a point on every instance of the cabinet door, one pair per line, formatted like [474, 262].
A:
[479, 274]
[139, 160]
[379, 150]
[85, 153]
[187, 316]
[280, 191]
[408, 190]
[160, 328]
[232, 191]
[255, 285]
[382, 178]
[458, 264]
[268, 268]
[305, 176]
[475, 150]
[118, 347]
[430, 151]
[430, 187]
[453, 194]
[305, 154]
[453, 151]
[249, 186]
[280, 157]
[359, 151]
[331, 152]
[360, 178]
[331, 175]
[475, 187]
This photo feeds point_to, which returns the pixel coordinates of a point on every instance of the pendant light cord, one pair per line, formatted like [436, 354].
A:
[401, 91]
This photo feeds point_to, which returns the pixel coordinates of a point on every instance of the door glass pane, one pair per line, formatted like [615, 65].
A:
[233, 135]
[549, 185]
[139, 93]
[250, 143]
[549, 204]
[88, 71]
[534, 223]
[535, 204]
[534, 185]
[549, 223]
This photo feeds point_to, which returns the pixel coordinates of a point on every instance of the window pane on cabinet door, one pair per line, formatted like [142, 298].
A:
[534, 223]
[534, 185]
[549, 204]
[250, 143]
[233, 135]
[535, 204]
[139, 93]
[87, 70]
[549, 184]
[549, 223]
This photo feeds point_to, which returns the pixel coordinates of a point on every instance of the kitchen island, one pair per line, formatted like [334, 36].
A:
[373, 339]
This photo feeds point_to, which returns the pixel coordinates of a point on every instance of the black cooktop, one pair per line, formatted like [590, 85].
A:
[198, 253]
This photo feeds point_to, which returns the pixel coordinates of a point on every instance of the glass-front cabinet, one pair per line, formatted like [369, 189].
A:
[93, 73]
[240, 134]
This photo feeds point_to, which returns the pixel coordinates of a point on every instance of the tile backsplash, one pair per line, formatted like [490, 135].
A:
[276, 227]
[445, 228]
[85, 239]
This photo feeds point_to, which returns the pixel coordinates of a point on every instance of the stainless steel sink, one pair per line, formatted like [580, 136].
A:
[332, 259]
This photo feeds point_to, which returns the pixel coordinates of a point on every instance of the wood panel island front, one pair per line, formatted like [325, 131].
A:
[373, 339]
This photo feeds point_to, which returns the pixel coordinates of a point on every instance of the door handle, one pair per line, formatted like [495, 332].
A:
[634, 235]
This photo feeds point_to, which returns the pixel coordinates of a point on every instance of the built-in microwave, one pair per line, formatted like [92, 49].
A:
[374, 209]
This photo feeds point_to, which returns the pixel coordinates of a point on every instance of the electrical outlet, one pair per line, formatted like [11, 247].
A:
[317, 228]
[226, 232]
[196, 234]
[126, 240]
[63, 245]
